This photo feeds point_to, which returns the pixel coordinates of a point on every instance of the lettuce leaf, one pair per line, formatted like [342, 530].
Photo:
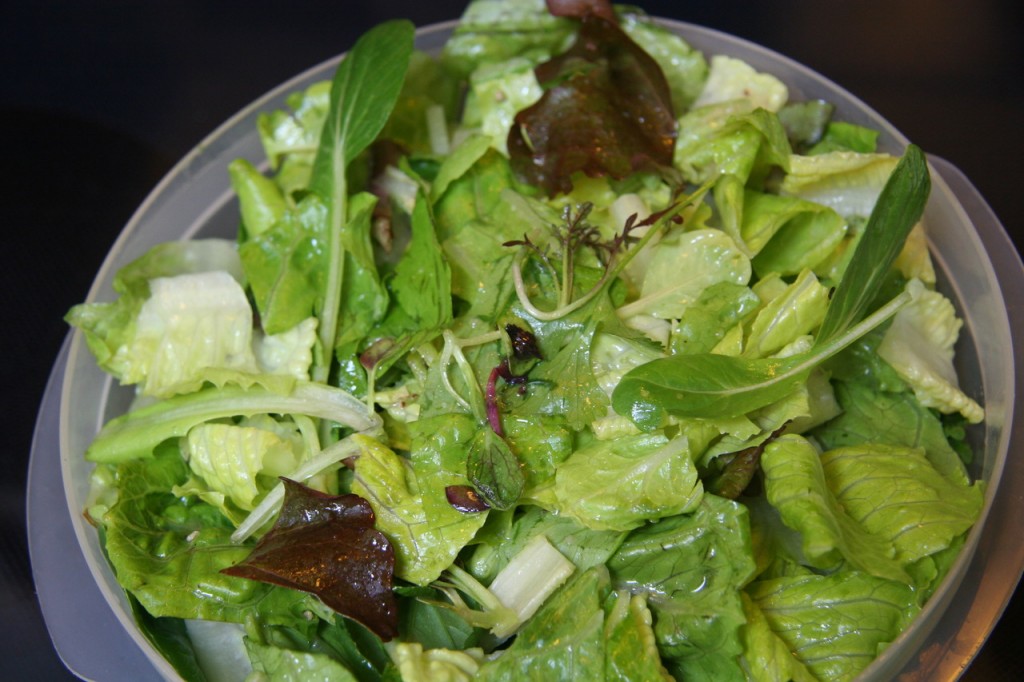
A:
[630, 649]
[731, 79]
[416, 664]
[891, 418]
[692, 567]
[408, 496]
[796, 485]
[564, 640]
[731, 138]
[847, 182]
[681, 267]
[229, 459]
[499, 91]
[492, 31]
[287, 665]
[290, 137]
[796, 312]
[606, 111]
[896, 494]
[111, 328]
[783, 235]
[685, 68]
[835, 624]
[623, 483]
[919, 345]
[766, 658]
[168, 554]
[500, 541]
[135, 434]
[705, 322]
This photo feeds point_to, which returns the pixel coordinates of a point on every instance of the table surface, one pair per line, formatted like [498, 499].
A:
[101, 98]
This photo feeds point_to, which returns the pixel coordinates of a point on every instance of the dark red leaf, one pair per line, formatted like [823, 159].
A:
[739, 472]
[327, 545]
[577, 9]
[375, 353]
[524, 343]
[464, 499]
[606, 110]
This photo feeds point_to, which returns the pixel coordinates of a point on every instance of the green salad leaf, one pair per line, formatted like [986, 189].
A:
[364, 90]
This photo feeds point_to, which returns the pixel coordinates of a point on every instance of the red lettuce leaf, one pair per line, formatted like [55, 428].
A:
[578, 9]
[327, 545]
[606, 110]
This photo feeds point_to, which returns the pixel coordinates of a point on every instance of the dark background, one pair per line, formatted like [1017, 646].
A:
[101, 98]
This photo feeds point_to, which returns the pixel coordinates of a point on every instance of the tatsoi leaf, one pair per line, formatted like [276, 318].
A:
[422, 282]
[607, 111]
[363, 93]
[136, 433]
[494, 470]
[364, 297]
[705, 385]
[576, 392]
[899, 207]
[327, 545]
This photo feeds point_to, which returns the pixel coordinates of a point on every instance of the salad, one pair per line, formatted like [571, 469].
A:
[567, 353]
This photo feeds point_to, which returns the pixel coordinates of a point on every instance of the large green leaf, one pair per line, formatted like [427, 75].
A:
[408, 496]
[692, 567]
[835, 623]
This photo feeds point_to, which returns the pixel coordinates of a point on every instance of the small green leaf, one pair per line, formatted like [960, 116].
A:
[494, 470]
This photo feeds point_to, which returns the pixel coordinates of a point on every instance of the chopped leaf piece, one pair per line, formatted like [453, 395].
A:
[327, 545]
[494, 470]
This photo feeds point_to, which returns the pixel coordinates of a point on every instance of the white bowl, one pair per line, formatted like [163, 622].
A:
[971, 250]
